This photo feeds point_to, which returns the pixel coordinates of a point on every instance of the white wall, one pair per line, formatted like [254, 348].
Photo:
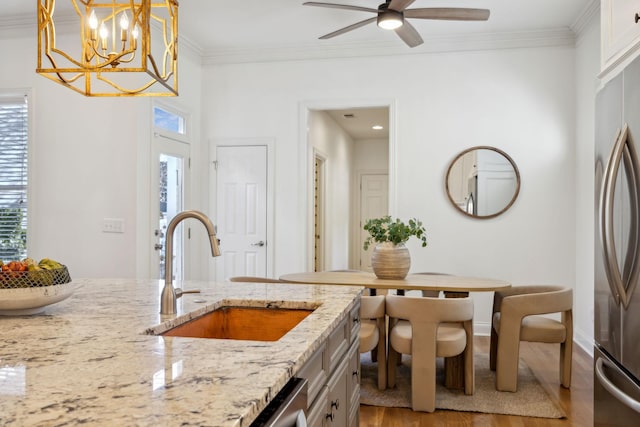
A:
[587, 68]
[90, 160]
[445, 103]
[371, 155]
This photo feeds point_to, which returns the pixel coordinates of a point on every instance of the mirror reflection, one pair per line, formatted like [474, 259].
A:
[482, 182]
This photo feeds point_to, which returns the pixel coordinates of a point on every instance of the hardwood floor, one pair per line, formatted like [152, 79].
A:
[543, 361]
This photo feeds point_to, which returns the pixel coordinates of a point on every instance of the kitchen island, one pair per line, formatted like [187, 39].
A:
[89, 359]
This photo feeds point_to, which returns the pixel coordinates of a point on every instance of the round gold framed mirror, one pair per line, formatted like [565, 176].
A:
[482, 182]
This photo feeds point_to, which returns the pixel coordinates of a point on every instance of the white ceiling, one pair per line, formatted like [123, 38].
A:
[250, 30]
[219, 26]
[359, 122]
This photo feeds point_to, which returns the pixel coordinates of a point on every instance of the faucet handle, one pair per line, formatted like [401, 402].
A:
[179, 292]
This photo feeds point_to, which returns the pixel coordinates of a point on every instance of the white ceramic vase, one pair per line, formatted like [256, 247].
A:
[390, 261]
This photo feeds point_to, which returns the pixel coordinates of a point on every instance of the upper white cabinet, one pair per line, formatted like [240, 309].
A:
[620, 32]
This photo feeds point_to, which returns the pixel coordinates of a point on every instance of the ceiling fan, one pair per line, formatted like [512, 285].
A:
[391, 16]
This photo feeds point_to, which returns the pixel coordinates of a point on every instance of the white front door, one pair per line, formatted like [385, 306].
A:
[374, 203]
[241, 192]
[169, 178]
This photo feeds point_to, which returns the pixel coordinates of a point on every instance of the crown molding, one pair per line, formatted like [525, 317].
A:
[438, 44]
[25, 25]
[590, 12]
[19, 26]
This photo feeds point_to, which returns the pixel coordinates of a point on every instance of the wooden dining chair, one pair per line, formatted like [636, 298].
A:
[254, 279]
[428, 328]
[373, 334]
[518, 316]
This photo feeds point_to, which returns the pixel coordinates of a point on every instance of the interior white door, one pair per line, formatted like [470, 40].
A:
[169, 176]
[241, 177]
[374, 203]
[318, 215]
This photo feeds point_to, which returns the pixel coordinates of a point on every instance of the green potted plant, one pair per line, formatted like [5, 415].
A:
[390, 258]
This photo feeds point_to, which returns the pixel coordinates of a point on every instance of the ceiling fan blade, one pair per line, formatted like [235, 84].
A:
[349, 28]
[448, 13]
[400, 5]
[340, 6]
[409, 35]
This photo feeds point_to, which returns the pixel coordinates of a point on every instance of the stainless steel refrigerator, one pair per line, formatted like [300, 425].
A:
[617, 252]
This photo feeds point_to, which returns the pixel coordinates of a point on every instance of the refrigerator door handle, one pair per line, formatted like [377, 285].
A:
[606, 218]
[623, 150]
[631, 263]
[612, 389]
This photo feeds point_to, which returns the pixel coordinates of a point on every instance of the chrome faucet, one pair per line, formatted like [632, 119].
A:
[170, 294]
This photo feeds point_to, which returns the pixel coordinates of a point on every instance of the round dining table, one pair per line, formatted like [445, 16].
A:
[452, 286]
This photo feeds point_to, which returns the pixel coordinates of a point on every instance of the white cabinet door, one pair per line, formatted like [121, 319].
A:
[338, 403]
[620, 32]
[353, 384]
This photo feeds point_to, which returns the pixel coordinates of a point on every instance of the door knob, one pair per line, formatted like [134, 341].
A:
[260, 243]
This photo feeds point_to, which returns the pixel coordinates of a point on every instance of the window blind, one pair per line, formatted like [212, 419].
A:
[13, 177]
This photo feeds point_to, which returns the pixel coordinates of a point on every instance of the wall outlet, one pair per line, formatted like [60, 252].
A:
[113, 225]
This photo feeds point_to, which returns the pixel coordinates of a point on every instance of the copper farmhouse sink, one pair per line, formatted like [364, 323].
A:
[253, 323]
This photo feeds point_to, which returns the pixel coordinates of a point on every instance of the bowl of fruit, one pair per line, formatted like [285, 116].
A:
[27, 286]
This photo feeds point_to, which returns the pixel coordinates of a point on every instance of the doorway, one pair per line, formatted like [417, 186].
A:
[242, 206]
[170, 177]
[352, 149]
[169, 187]
[318, 212]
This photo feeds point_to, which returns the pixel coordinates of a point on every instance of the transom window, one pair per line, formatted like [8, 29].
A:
[169, 121]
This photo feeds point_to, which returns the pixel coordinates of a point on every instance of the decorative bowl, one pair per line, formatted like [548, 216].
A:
[29, 292]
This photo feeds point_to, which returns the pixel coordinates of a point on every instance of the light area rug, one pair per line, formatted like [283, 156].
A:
[530, 400]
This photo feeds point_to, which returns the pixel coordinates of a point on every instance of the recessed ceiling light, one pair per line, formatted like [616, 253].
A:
[377, 127]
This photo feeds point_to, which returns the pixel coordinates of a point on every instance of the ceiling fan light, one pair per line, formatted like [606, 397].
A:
[390, 20]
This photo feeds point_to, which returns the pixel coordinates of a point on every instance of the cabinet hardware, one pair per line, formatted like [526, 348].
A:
[335, 404]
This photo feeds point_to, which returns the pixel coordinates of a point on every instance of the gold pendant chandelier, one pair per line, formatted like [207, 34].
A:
[116, 47]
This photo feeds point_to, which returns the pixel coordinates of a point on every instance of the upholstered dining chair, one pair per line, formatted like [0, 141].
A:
[432, 294]
[254, 279]
[373, 333]
[517, 316]
[428, 328]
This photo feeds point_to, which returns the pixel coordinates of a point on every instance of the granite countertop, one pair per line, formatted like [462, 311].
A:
[87, 360]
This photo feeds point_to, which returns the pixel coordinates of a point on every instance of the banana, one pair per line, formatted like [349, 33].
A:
[49, 264]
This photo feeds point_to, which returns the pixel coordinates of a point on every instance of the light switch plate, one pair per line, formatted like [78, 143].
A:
[113, 225]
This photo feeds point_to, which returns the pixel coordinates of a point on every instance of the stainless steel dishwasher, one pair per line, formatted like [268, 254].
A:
[288, 408]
